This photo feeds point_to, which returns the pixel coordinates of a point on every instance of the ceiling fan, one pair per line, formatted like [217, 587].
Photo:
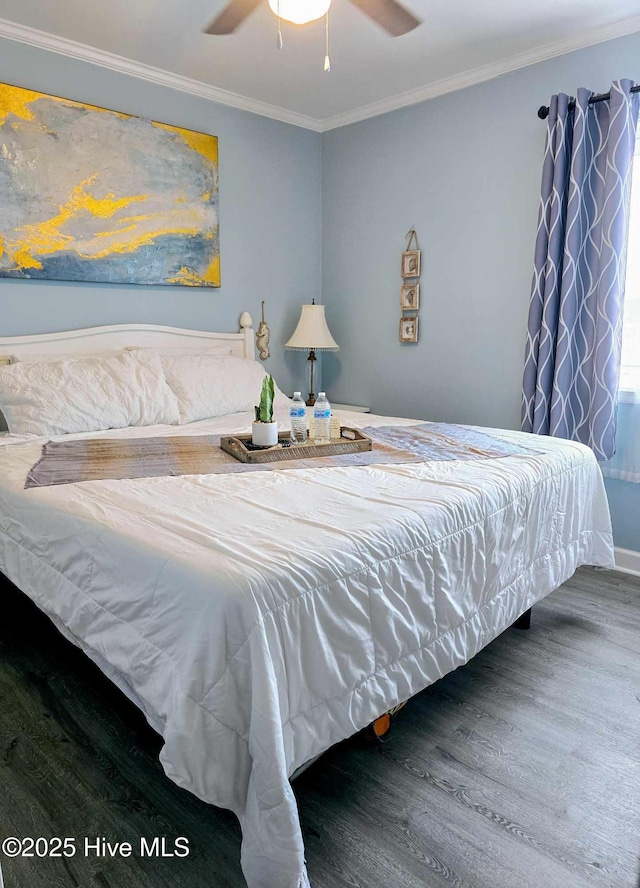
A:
[389, 14]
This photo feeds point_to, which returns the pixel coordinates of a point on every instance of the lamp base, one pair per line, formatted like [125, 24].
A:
[311, 400]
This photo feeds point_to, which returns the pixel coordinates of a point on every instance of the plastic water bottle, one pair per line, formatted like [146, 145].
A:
[322, 420]
[298, 417]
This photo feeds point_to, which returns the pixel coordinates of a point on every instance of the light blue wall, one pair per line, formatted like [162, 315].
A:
[465, 170]
[624, 502]
[270, 217]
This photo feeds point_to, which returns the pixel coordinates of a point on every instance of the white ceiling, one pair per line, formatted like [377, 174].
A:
[460, 41]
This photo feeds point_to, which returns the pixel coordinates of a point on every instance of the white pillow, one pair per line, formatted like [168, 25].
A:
[215, 385]
[86, 394]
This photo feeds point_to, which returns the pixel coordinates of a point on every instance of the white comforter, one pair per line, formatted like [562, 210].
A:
[258, 619]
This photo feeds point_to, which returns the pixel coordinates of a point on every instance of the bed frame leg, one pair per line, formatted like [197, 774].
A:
[523, 622]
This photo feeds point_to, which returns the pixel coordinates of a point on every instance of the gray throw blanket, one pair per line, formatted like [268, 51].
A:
[99, 459]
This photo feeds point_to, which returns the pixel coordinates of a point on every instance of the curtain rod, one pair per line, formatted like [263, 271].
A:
[543, 110]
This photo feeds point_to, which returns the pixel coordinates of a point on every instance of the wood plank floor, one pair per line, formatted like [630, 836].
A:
[520, 770]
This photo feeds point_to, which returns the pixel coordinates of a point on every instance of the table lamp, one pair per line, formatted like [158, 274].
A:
[312, 333]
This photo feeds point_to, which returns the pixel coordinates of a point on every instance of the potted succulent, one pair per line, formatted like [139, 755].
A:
[265, 430]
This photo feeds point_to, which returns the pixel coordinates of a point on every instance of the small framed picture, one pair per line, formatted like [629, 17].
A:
[410, 297]
[411, 264]
[409, 329]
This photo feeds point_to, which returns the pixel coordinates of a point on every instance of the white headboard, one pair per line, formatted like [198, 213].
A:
[95, 339]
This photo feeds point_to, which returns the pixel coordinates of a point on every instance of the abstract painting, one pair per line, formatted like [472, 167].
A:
[88, 194]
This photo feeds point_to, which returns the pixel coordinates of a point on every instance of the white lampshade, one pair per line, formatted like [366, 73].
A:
[300, 11]
[312, 331]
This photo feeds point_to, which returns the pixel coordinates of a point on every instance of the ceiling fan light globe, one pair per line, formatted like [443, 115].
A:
[300, 11]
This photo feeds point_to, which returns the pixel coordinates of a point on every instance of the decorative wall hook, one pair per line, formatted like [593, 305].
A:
[411, 236]
[262, 337]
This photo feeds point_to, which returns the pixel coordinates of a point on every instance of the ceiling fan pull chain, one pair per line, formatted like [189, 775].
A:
[327, 60]
[279, 39]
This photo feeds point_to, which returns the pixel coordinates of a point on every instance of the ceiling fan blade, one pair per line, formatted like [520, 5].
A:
[231, 16]
[390, 15]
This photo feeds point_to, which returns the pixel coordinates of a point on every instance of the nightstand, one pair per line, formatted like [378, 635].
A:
[351, 407]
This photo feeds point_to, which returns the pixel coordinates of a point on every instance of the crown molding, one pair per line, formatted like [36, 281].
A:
[84, 53]
[484, 72]
[73, 49]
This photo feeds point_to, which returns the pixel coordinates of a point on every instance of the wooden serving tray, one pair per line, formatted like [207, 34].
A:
[235, 445]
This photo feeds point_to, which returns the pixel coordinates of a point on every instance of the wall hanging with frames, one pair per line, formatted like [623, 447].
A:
[410, 289]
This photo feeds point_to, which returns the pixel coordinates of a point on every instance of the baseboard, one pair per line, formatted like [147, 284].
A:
[628, 561]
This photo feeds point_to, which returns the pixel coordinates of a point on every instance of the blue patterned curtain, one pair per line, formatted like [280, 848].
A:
[572, 361]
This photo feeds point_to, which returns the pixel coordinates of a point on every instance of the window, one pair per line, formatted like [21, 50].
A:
[625, 463]
[630, 368]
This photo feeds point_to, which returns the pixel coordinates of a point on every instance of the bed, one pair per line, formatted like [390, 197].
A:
[258, 620]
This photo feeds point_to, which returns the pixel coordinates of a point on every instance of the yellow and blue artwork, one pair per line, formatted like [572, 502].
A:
[88, 194]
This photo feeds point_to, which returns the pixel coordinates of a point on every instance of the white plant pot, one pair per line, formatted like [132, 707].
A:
[264, 434]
